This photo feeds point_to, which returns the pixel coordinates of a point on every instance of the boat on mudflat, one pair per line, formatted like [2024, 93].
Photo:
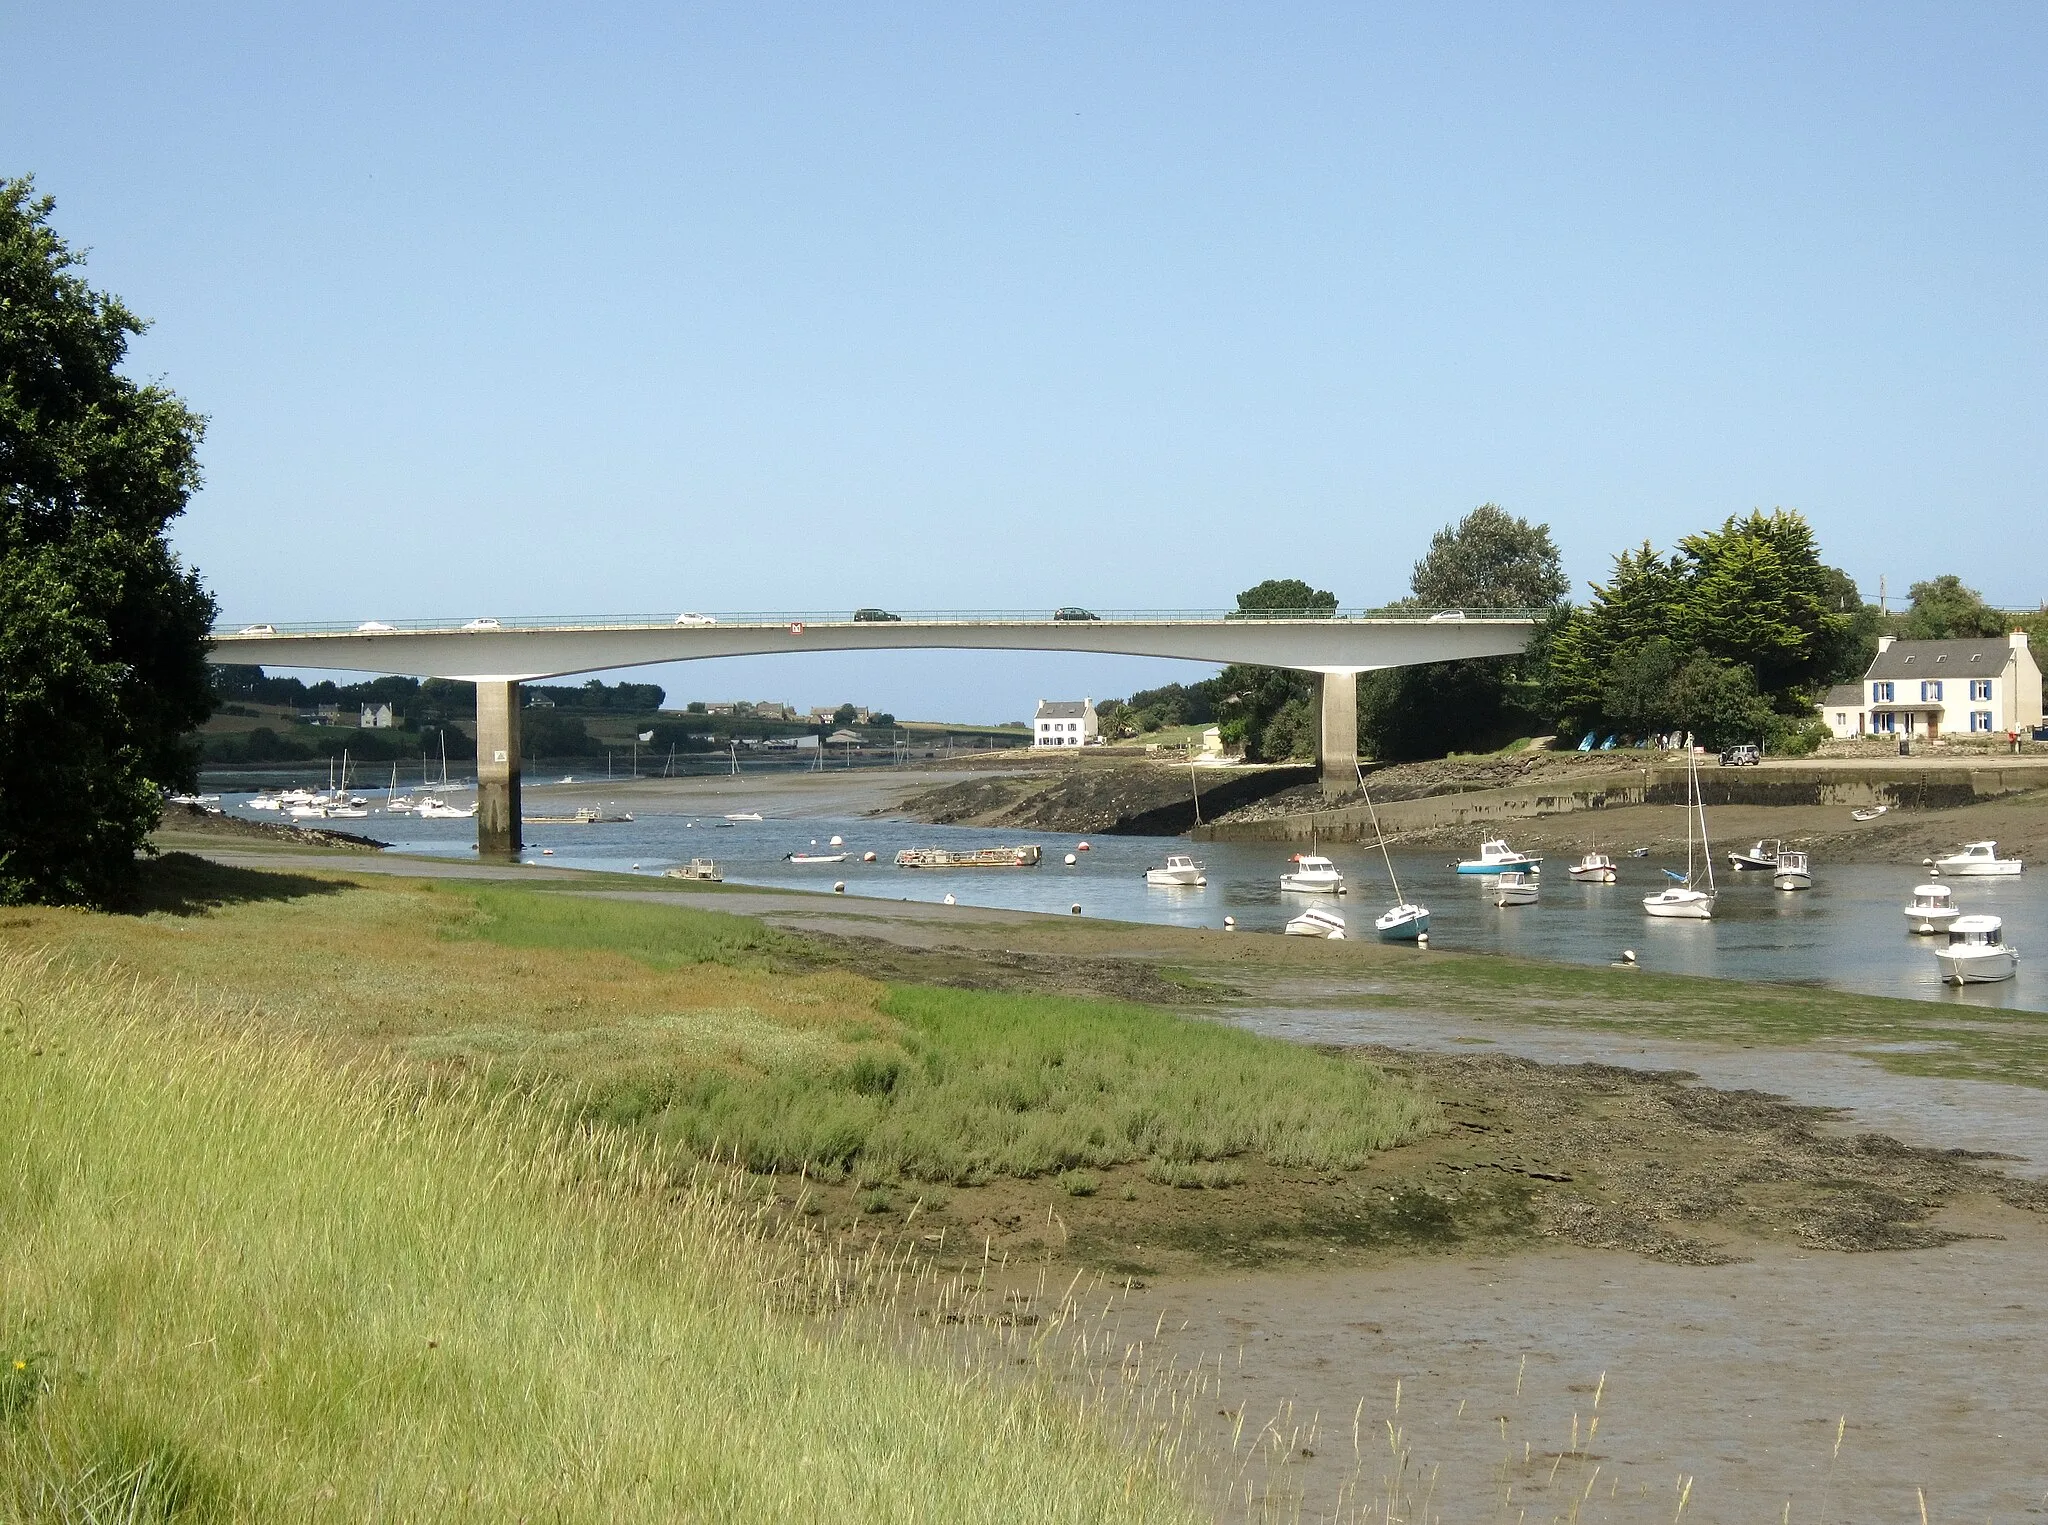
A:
[1317, 921]
[1977, 953]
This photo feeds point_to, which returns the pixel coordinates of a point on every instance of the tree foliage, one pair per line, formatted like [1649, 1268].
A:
[1286, 595]
[102, 629]
[1727, 638]
[1942, 609]
[1487, 560]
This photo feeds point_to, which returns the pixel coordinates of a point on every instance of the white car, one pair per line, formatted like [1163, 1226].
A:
[1447, 614]
[259, 630]
[483, 625]
[370, 627]
[695, 619]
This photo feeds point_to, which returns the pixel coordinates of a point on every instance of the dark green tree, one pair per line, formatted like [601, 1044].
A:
[1287, 595]
[1942, 609]
[102, 629]
[1487, 560]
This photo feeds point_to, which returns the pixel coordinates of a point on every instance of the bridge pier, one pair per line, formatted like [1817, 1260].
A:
[1337, 739]
[497, 769]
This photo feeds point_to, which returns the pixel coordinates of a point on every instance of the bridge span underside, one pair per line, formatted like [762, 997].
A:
[499, 656]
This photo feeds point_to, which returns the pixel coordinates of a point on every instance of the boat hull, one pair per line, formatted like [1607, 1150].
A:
[1791, 879]
[1520, 894]
[1680, 907]
[1998, 868]
[1173, 879]
[1593, 875]
[1514, 866]
[1403, 924]
[1985, 967]
[1918, 920]
[1303, 886]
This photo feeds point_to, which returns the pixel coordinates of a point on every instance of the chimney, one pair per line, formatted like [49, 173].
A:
[2017, 640]
[1884, 642]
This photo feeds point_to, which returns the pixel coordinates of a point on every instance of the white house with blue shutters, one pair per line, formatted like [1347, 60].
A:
[1934, 688]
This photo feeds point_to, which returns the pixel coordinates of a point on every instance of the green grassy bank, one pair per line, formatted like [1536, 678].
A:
[238, 1281]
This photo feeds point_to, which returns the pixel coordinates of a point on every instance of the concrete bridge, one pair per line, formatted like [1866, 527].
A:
[498, 655]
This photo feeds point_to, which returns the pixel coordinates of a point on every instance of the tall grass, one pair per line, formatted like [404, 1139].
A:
[236, 1282]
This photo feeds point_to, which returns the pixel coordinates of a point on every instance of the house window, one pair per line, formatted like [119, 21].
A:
[1980, 688]
[1930, 691]
[1840, 718]
[1980, 720]
[1888, 722]
[1880, 693]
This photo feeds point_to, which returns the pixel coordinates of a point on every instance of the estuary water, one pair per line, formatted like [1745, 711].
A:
[1847, 932]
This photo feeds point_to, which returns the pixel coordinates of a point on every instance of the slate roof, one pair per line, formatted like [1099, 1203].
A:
[1844, 696]
[1941, 659]
[1063, 709]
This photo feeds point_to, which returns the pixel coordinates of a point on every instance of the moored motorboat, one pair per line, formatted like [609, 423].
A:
[1181, 872]
[814, 857]
[1496, 857]
[1317, 921]
[1515, 888]
[1594, 868]
[1313, 875]
[1763, 856]
[1976, 860]
[1977, 953]
[441, 810]
[1932, 908]
[1793, 871]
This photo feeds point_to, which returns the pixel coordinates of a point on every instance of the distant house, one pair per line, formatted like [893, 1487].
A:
[844, 738]
[1065, 723]
[1926, 688]
[377, 717]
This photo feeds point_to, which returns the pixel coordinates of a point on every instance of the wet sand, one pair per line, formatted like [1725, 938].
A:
[1734, 1375]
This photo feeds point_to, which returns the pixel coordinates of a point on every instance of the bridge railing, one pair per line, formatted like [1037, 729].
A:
[770, 618]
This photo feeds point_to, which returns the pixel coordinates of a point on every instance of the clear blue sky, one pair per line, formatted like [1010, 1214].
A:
[618, 309]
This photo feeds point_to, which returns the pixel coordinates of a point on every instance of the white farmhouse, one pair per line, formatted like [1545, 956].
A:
[1066, 723]
[377, 717]
[1926, 688]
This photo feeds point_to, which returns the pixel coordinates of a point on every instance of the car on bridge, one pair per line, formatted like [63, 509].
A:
[1070, 612]
[696, 619]
[876, 617]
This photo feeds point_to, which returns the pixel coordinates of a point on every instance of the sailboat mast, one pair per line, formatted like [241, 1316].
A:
[1379, 836]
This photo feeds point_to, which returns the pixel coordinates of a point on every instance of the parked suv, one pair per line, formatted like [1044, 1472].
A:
[876, 617]
[1747, 755]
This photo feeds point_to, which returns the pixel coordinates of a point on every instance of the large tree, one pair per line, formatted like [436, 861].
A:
[1943, 609]
[1489, 559]
[102, 629]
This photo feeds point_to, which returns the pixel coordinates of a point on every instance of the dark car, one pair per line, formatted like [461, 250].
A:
[1747, 755]
[1071, 613]
[875, 616]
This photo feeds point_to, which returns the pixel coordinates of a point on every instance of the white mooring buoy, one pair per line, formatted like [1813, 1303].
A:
[839, 886]
[1072, 860]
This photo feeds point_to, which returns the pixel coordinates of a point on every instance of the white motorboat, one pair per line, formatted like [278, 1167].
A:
[1932, 908]
[1763, 857]
[1313, 875]
[266, 802]
[1976, 859]
[1687, 900]
[1317, 922]
[1594, 868]
[441, 810]
[814, 857]
[1496, 857]
[1977, 953]
[1515, 888]
[1870, 813]
[1793, 871]
[1181, 872]
[1404, 923]
[744, 815]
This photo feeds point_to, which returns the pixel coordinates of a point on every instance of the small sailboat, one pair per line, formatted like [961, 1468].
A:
[1404, 922]
[1932, 908]
[1313, 875]
[394, 802]
[1977, 953]
[1977, 860]
[1763, 856]
[1686, 900]
[1317, 922]
[1496, 857]
[1181, 872]
[1515, 888]
[1793, 872]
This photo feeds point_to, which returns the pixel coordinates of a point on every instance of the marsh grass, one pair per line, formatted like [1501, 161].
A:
[238, 1282]
[695, 1029]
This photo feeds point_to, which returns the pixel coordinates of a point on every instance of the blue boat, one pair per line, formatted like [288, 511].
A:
[1496, 857]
